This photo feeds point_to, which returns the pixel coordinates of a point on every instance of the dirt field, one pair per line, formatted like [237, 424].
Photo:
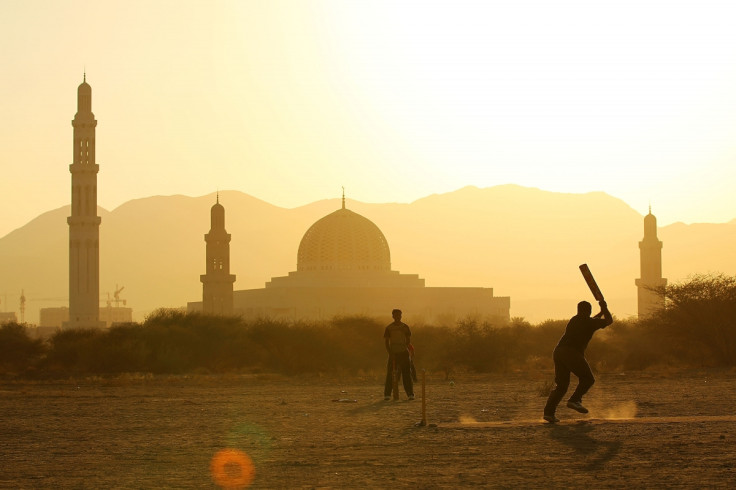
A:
[644, 430]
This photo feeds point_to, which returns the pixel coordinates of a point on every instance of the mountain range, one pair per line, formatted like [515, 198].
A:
[524, 242]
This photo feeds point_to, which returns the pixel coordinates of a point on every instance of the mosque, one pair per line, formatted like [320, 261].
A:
[343, 268]
[343, 265]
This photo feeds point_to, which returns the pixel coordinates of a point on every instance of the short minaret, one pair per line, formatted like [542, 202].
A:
[84, 224]
[217, 283]
[650, 252]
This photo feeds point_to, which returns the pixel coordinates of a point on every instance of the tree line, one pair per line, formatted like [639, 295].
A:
[696, 329]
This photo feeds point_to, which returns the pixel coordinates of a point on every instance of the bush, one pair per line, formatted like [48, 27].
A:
[18, 352]
[698, 324]
[697, 328]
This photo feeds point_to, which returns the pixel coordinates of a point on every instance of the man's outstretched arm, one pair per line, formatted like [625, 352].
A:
[607, 317]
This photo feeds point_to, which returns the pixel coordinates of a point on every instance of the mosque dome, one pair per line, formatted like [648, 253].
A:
[344, 240]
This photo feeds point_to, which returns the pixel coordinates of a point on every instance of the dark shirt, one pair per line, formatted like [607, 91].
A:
[398, 334]
[580, 330]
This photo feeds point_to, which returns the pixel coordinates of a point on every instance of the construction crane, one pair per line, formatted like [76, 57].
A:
[22, 306]
[116, 295]
[4, 301]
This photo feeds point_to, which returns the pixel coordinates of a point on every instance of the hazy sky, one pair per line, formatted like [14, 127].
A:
[395, 100]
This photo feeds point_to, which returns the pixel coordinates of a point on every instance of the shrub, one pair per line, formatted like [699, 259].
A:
[698, 328]
[71, 350]
[18, 352]
[698, 324]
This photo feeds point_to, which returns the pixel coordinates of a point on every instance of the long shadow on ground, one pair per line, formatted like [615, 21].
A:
[376, 406]
[593, 451]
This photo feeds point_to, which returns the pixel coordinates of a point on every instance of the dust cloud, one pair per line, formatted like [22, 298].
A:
[626, 410]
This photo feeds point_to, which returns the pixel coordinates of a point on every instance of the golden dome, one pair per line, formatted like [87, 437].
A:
[344, 240]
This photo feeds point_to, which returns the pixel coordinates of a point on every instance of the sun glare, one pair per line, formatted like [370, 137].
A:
[232, 469]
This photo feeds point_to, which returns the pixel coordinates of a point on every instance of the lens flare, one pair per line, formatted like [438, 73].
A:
[232, 469]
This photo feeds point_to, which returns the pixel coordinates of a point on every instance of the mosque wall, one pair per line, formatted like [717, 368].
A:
[435, 306]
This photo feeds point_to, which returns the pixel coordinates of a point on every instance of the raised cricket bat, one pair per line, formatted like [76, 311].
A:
[591, 282]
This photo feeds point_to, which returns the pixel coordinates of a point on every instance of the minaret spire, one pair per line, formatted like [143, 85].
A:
[84, 224]
[650, 258]
[217, 282]
[343, 197]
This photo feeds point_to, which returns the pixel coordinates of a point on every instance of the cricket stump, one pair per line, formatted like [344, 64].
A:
[424, 399]
[423, 422]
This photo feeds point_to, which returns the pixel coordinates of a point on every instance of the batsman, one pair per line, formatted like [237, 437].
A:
[569, 355]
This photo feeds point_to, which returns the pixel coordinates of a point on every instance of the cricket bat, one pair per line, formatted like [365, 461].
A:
[395, 380]
[591, 282]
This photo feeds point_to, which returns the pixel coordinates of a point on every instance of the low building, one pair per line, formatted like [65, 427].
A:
[8, 317]
[109, 315]
[53, 317]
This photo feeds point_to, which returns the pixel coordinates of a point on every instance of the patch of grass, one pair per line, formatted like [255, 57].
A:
[544, 388]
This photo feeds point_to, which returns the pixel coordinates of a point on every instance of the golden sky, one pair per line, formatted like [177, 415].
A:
[290, 100]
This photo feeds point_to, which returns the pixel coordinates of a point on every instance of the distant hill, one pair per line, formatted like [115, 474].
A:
[524, 242]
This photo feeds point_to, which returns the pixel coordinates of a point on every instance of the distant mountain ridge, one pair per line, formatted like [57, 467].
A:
[524, 242]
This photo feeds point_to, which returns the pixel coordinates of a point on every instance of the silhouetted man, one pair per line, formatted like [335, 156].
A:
[397, 337]
[569, 357]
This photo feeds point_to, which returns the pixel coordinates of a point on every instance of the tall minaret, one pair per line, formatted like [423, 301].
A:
[84, 224]
[217, 283]
[650, 253]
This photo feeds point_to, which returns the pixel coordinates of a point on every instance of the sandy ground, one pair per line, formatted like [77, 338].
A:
[644, 431]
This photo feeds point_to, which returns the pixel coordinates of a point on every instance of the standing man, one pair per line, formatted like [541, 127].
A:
[397, 337]
[569, 357]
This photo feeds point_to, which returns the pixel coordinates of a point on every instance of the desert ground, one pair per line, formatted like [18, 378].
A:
[139, 431]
